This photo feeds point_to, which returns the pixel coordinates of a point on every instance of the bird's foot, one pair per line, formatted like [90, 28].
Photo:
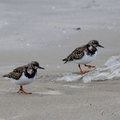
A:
[21, 90]
[81, 70]
[89, 66]
[24, 92]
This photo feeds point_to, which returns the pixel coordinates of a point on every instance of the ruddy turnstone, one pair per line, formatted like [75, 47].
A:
[84, 54]
[23, 75]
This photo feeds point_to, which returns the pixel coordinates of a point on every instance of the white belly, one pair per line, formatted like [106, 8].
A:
[86, 59]
[22, 81]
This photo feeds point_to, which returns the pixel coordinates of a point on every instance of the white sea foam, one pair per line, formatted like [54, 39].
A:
[109, 71]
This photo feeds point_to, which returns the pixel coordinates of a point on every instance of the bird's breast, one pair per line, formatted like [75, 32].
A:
[23, 80]
[86, 58]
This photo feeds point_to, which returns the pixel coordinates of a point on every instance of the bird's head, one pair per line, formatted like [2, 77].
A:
[95, 44]
[35, 65]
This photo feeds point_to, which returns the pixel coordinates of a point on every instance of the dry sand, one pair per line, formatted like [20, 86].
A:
[45, 31]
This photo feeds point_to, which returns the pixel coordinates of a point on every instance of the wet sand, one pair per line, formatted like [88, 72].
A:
[51, 101]
[45, 31]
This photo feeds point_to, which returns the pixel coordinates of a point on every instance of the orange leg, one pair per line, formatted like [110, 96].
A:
[89, 66]
[81, 69]
[22, 90]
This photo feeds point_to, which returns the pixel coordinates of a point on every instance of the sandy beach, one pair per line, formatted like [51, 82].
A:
[46, 31]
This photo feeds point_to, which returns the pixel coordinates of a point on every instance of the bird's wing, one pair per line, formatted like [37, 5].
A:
[19, 69]
[75, 55]
[16, 74]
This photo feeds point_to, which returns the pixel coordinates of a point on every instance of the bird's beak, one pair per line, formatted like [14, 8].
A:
[41, 67]
[100, 46]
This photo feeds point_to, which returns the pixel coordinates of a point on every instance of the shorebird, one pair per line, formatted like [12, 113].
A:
[23, 75]
[84, 54]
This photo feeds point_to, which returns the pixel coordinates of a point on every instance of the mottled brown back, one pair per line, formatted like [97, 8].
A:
[16, 74]
[76, 54]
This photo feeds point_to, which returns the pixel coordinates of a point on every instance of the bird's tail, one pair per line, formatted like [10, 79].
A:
[66, 60]
[5, 75]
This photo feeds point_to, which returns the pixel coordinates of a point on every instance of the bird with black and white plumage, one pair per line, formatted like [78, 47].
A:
[23, 75]
[84, 54]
